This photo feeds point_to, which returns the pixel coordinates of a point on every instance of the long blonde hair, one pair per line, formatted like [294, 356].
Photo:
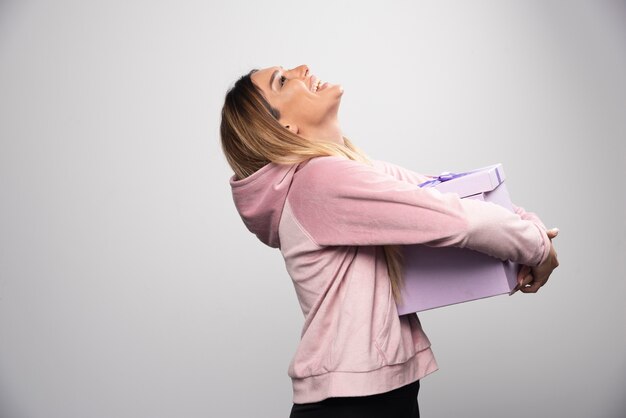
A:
[252, 138]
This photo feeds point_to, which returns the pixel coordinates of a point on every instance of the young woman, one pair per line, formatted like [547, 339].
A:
[338, 219]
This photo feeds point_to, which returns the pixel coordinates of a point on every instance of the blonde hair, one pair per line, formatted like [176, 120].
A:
[252, 138]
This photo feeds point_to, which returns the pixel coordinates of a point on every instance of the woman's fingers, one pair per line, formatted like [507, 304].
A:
[537, 281]
[530, 279]
[524, 278]
[531, 289]
[531, 284]
[523, 271]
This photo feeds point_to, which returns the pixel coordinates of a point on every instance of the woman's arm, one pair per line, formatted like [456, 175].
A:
[342, 202]
[416, 178]
[530, 278]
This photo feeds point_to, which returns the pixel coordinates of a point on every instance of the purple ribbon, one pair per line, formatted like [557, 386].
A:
[441, 178]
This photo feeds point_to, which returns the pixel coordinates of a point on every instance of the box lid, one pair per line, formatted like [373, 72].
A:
[472, 182]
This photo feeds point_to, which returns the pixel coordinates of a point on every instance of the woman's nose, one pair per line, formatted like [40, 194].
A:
[305, 70]
[300, 71]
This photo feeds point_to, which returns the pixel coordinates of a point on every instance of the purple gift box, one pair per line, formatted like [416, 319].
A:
[441, 276]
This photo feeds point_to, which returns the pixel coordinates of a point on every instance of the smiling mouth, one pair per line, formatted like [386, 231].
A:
[317, 85]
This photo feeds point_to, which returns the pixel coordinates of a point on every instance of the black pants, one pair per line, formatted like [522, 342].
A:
[398, 403]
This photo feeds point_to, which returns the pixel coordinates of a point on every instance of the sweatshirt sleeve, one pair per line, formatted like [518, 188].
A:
[400, 173]
[416, 178]
[530, 216]
[343, 202]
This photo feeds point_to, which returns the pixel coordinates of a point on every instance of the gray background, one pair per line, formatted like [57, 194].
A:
[129, 287]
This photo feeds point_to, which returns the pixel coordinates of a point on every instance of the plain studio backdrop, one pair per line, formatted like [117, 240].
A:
[129, 286]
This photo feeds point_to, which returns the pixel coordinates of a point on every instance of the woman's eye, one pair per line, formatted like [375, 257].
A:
[282, 79]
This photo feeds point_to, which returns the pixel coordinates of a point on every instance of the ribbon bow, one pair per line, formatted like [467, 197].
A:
[445, 176]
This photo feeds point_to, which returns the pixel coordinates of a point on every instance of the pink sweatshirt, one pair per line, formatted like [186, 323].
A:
[329, 217]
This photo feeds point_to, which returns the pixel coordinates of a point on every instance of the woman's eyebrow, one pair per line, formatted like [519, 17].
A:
[274, 74]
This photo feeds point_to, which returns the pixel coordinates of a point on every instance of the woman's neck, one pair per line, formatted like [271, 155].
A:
[328, 132]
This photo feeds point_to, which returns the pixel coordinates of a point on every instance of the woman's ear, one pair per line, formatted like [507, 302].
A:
[293, 128]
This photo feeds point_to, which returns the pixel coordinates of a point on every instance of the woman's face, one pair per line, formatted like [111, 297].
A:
[293, 92]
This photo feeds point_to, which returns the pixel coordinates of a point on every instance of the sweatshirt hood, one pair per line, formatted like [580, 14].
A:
[260, 198]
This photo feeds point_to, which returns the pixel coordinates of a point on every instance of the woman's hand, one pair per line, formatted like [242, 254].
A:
[530, 279]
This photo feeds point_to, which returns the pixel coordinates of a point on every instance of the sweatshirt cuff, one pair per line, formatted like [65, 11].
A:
[547, 243]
